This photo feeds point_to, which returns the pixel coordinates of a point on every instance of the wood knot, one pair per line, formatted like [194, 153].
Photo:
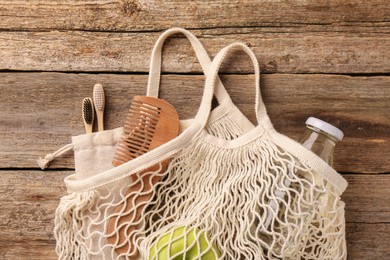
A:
[131, 7]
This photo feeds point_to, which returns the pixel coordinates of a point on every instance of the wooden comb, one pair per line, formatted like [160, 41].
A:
[150, 123]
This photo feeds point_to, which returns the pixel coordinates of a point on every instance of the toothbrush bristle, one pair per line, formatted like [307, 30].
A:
[88, 110]
[98, 96]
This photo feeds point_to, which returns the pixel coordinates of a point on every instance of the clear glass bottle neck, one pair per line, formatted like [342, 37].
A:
[319, 142]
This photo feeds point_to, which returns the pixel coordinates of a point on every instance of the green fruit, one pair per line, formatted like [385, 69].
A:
[177, 246]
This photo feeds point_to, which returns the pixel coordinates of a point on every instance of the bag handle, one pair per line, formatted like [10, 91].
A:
[205, 107]
[204, 60]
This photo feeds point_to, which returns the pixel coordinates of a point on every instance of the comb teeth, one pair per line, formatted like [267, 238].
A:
[98, 97]
[88, 111]
[139, 130]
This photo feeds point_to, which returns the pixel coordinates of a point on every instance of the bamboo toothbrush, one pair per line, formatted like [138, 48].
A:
[88, 114]
[99, 101]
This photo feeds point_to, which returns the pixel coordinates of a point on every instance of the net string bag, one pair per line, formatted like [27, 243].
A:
[82, 215]
[213, 201]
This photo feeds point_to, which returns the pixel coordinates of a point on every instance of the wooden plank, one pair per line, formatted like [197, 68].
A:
[367, 216]
[41, 111]
[29, 199]
[136, 15]
[368, 241]
[306, 52]
[28, 249]
[367, 198]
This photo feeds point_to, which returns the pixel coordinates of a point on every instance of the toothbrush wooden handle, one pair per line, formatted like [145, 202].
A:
[100, 120]
[88, 128]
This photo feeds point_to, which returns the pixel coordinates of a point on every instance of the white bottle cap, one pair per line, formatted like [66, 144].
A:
[326, 127]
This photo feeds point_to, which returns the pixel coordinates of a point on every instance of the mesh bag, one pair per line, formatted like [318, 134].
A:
[231, 190]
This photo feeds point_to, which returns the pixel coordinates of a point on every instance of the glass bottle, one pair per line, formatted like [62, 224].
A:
[321, 138]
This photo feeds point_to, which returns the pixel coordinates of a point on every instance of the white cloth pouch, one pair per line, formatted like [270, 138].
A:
[231, 190]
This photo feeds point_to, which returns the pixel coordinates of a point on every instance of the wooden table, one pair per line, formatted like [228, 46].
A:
[329, 59]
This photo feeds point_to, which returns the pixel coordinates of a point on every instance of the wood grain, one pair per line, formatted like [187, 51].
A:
[29, 199]
[138, 15]
[367, 198]
[368, 241]
[305, 42]
[41, 111]
[306, 52]
[28, 249]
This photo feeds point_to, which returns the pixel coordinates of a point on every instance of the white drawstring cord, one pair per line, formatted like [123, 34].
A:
[43, 162]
